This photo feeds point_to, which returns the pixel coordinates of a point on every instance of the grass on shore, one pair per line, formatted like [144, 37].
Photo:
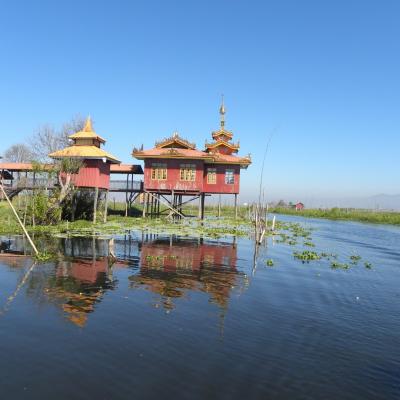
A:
[375, 217]
[117, 223]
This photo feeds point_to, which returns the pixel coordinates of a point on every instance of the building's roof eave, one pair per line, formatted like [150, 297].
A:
[84, 152]
[170, 156]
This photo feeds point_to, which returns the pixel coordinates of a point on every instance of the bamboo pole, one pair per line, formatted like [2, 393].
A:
[19, 220]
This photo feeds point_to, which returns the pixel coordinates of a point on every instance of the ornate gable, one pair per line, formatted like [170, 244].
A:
[175, 142]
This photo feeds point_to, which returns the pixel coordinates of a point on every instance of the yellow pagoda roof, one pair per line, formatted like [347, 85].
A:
[87, 133]
[88, 152]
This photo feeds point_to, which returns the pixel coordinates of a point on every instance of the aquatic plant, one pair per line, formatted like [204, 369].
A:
[44, 256]
[338, 265]
[306, 256]
[270, 262]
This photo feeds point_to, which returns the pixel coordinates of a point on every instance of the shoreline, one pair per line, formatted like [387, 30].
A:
[335, 214]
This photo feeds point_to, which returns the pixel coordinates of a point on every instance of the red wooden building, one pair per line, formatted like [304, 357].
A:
[175, 167]
[97, 167]
[86, 146]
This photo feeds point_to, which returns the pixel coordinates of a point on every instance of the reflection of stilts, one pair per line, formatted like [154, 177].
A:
[18, 288]
[222, 324]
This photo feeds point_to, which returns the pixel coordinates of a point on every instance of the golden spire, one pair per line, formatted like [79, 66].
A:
[222, 113]
[88, 125]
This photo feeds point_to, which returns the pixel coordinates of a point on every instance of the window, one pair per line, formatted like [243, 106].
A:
[229, 176]
[159, 171]
[188, 172]
[212, 176]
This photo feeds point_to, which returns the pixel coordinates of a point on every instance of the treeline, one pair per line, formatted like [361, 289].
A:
[351, 214]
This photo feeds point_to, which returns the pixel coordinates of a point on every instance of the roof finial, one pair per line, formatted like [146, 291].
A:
[222, 112]
[88, 125]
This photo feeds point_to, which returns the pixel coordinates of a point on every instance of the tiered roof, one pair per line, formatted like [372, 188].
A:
[86, 144]
[222, 138]
[220, 151]
[172, 147]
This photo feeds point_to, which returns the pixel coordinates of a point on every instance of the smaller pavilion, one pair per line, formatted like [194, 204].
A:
[95, 171]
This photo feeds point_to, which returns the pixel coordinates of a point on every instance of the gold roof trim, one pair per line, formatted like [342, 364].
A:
[175, 138]
[90, 152]
[221, 142]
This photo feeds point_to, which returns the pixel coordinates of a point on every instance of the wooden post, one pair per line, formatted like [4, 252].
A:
[96, 195]
[219, 205]
[144, 204]
[106, 207]
[236, 206]
[273, 224]
[200, 205]
[203, 196]
[74, 204]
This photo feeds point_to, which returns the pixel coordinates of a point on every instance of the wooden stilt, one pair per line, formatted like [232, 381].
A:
[144, 205]
[202, 204]
[236, 206]
[106, 206]
[219, 205]
[96, 195]
[74, 204]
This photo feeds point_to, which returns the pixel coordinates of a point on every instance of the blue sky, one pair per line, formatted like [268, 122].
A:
[324, 76]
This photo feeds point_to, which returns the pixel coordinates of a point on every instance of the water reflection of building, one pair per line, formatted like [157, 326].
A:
[168, 267]
[171, 268]
[81, 277]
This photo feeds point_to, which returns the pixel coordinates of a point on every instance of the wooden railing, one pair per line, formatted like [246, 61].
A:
[123, 185]
[50, 183]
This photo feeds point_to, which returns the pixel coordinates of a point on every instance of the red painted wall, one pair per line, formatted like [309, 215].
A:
[173, 181]
[172, 258]
[221, 186]
[95, 173]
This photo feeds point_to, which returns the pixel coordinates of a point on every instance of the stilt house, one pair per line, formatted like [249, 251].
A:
[175, 167]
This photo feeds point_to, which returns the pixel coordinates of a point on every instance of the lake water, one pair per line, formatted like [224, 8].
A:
[190, 318]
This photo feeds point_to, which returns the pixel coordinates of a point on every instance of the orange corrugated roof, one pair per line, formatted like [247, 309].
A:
[20, 166]
[126, 169]
[115, 168]
[83, 152]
